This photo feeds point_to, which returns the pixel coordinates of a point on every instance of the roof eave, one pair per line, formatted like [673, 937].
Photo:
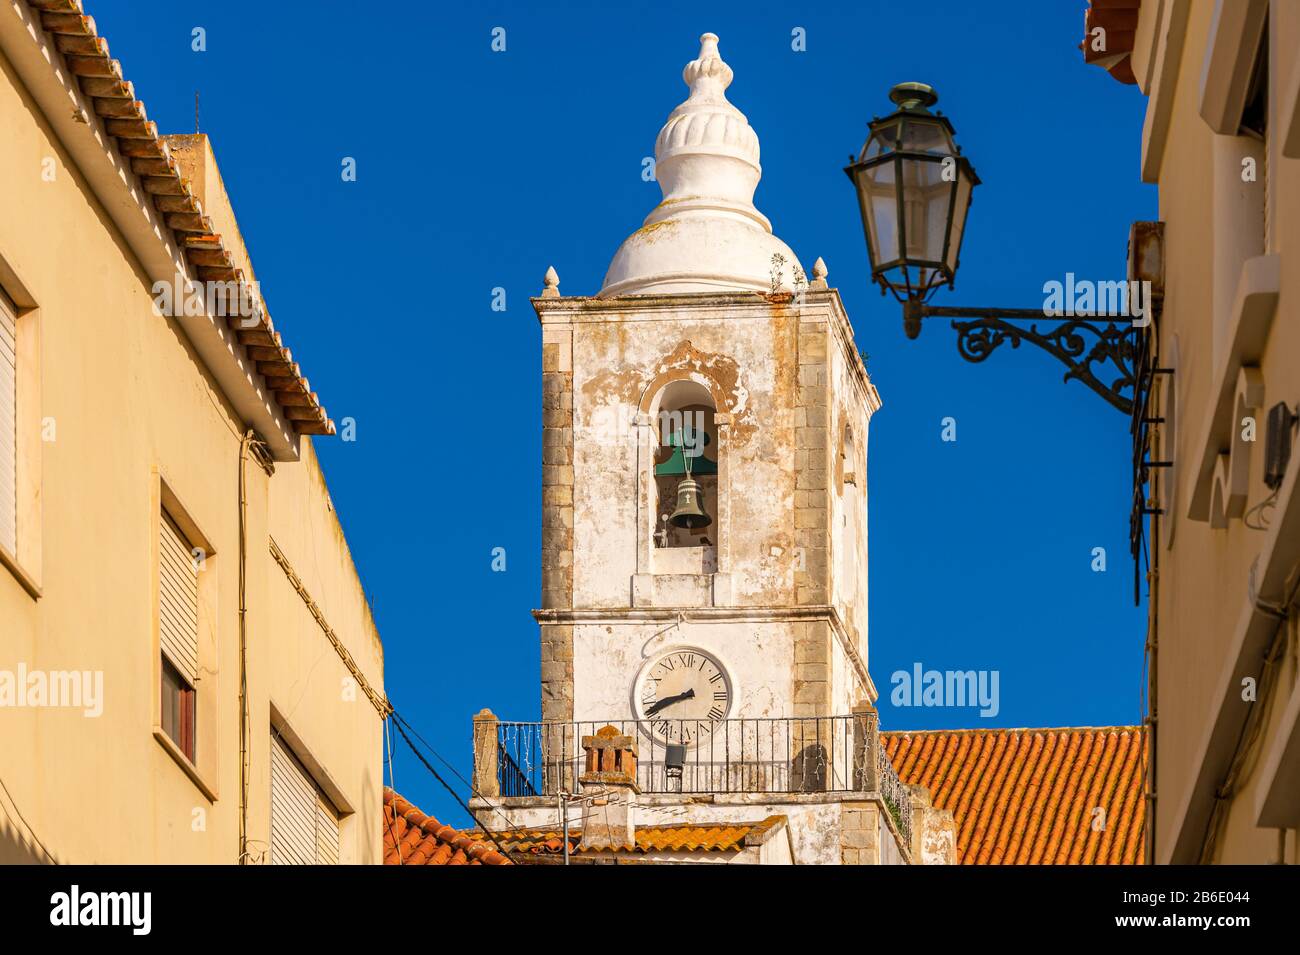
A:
[160, 250]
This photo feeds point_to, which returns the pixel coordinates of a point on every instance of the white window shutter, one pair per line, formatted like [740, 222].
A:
[327, 832]
[8, 427]
[304, 825]
[178, 600]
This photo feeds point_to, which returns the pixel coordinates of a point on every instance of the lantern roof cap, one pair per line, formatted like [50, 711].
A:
[706, 235]
[918, 97]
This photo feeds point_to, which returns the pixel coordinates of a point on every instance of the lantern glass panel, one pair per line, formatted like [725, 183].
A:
[883, 139]
[925, 137]
[879, 200]
[926, 197]
[962, 203]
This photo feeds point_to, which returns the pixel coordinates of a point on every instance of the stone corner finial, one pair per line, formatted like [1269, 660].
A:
[819, 274]
[551, 283]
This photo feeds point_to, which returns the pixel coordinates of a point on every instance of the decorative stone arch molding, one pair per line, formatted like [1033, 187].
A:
[718, 373]
[718, 377]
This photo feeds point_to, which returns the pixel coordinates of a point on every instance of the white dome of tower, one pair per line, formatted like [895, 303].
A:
[706, 235]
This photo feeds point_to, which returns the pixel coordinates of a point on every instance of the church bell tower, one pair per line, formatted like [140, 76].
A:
[705, 422]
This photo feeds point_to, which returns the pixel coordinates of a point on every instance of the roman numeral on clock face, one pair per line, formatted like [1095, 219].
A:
[716, 713]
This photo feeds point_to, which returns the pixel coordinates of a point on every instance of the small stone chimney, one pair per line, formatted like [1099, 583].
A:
[610, 790]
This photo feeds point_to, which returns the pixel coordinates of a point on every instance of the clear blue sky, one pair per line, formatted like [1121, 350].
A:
[479, 169]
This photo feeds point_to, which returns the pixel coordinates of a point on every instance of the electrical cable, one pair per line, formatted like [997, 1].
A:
[468, 785]
[427, 765]
[1254, 518]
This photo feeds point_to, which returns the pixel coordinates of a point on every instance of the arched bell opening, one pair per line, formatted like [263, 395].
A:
[685, 468]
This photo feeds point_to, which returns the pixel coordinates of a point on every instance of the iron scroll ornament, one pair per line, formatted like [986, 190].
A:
[1089, 346]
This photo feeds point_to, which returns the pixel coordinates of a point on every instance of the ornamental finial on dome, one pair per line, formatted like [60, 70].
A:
[707, 125]
[707, 75]
[706, 234]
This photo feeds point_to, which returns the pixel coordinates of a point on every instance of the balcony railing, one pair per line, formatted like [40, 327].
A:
[769, 755]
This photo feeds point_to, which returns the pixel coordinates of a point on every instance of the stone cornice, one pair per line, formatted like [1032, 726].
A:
[818, 305]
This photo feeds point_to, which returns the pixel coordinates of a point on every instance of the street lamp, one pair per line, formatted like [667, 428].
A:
[914, 191]
[914, 187]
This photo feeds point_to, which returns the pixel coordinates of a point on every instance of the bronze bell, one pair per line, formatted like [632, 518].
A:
[689, 513]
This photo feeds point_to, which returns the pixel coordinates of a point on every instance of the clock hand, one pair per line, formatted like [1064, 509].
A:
[666, 701]
[669, 701]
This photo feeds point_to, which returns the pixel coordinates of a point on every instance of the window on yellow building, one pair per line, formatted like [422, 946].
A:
[178, 633]
[304, 823]
[178, 708]
[8, 426]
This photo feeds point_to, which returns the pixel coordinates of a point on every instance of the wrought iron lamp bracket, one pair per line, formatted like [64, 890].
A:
[1092, 347]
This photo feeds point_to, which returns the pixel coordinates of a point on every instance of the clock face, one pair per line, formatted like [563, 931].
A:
[681, 695]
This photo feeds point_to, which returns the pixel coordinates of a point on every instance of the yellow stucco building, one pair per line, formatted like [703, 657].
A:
[1221, 139]
[189, 670]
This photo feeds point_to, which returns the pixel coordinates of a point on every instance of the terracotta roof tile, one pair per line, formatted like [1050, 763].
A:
[1028, 796]
[649, 839]
[412, 838]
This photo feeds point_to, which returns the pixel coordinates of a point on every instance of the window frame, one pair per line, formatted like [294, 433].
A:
[9, 505]
[24, 562]
[323, 804]
[196, 753]
[185, 705]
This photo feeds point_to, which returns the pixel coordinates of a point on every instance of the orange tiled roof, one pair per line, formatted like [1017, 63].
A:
[1112, 48]
[650, 839]
[412, 838]
[1028, 795]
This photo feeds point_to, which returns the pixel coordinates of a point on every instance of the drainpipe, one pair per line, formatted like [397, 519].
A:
[1153, 661]
[253, 446]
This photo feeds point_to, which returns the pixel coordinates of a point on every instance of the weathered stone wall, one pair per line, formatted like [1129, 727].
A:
[623, 353]
[557, 524]
[860, 833]
[812, 461]
[812, 669]
[853, 401]
[776, 370]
